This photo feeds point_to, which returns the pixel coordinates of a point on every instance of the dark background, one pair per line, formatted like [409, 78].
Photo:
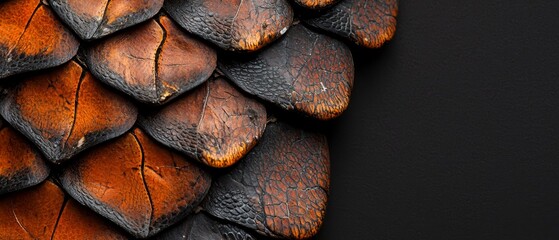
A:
[452, 132]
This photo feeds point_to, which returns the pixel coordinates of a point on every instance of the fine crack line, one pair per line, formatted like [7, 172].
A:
[142, 167]
[102, 18]
[157, 83]
[59, 216]
[202, 116]
[21, 225]
[24, 30]
[80, 81]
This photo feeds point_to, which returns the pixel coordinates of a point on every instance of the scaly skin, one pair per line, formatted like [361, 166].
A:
[64, 111]
[280, 189]
[304, 71]
[97, 19]
[214, 123]
[235, 25]
[32, 38]
[153, 62]
[148, 189]
[367, 23]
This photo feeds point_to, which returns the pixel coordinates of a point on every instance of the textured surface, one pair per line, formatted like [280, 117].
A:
[280, 188]
[153, 62]
[316, 4]
[31, 38]
[96, 19]
[65, 110]
[236, 25]
[149, 188]
[215, 124]
[42, 212]
[201, 227]
[305, 71]
[21, 165]
[368, 23]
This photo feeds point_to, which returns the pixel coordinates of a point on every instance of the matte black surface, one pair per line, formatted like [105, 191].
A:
[452, 131]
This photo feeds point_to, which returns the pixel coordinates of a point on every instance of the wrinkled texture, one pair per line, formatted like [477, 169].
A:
[148, 189]
[368, 23]
[32, 38]
[65, 111]
[280, 189]
[99, 18]
[201, 227]
[235, 25]
[42, 212]
[21, 165]
[153, 62]
[214, 123]
[305, 71]
[316, 4]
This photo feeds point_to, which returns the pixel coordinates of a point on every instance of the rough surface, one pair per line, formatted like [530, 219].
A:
[21, 165]
[305, 71]
[202, 227]
[153, 62]
[148, 189]
[42, 212]
[214, 123]
[236, 25]
[368, 23]
[65, 110]
[280, 189]
[32, 38]
[96, 19]
[316, 4]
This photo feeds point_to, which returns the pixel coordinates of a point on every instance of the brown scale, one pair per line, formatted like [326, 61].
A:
[99, 18]
[214, 123]
[148, 189]
[368, 23]
[153, 62]
[280, 189]
[32, 38]
[65, 110]
[304, 71]
[43, 212]
[21, 165]
[236, 25]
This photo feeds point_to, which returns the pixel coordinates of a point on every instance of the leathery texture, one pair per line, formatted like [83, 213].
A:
[32, 38]
[368, 23]
[280, 189]
[304, 71]
[200, 226]
[149, 188]
[214, 123]
[235, 25]
[64, 111]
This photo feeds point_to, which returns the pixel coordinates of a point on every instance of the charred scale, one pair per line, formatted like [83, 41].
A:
[21, 165]
[235, 25]
[280, 189]
[96, 19]
[65, 111]
[304, 71]
[367, 23]
[153, 62]
[201, 227]
[316, 4]
[214, 123]
[149, 188]
[44, 212]
[32, 38]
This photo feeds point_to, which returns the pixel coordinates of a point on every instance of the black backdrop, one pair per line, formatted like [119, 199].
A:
[452, 132]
